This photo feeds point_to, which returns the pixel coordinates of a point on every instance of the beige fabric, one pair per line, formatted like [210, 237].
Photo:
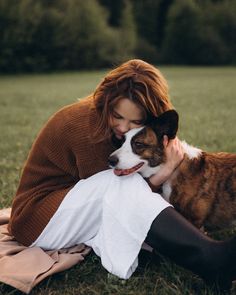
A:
[23, 267]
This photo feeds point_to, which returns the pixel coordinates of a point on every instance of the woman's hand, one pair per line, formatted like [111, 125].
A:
[174, 156]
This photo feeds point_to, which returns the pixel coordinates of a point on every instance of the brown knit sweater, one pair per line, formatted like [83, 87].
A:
[61, 155]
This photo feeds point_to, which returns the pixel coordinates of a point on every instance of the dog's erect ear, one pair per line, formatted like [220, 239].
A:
[166, 124]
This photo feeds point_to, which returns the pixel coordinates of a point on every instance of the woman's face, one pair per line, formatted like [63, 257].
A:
[126, 115]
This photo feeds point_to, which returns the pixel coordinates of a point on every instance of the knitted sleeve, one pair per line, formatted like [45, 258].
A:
[51, 160]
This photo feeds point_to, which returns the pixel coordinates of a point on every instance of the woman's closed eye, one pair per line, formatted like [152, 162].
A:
[116, 115]
[120, 117]
[138, 122]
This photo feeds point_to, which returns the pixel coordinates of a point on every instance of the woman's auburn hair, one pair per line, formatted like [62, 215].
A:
[136, 80]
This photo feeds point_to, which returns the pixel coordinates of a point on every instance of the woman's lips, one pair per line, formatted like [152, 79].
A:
[118, 134]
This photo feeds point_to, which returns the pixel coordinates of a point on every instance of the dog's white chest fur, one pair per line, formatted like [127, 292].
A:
[166, 190]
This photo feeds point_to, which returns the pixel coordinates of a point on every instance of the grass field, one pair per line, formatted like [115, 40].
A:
[206, 101]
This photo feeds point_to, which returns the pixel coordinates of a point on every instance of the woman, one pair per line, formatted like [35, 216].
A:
[67, 195]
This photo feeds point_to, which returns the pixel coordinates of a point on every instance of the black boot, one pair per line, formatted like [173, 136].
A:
[174, 237]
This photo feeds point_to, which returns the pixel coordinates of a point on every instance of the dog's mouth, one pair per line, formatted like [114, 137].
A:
[121, 172]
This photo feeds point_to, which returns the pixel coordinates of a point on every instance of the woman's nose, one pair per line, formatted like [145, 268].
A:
[124, 127]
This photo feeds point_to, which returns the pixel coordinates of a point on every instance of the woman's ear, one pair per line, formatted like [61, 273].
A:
[166, 124]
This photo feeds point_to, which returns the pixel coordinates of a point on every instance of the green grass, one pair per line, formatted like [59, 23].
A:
[205, 99]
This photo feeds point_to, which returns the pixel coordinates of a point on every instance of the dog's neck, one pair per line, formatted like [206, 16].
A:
[190, 153]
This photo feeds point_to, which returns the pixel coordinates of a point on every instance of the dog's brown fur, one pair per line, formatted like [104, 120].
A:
[152, 149]
[204, 190]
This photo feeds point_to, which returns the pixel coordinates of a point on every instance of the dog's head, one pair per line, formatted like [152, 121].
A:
[143, 150]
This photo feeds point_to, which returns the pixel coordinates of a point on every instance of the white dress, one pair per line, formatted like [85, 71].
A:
[109, 213]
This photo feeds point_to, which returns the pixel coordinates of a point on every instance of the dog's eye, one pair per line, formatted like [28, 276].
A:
[140, 144]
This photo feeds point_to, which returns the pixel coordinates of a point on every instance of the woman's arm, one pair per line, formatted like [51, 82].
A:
[174, 156]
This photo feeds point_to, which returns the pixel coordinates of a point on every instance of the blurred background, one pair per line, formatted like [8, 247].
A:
[53, 35]
[72, 44]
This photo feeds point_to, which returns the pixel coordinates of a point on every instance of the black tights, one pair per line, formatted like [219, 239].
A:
[173, 236]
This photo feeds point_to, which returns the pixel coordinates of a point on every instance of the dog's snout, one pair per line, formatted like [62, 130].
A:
[113, 161]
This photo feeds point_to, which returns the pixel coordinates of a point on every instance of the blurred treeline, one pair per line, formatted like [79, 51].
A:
[45, 35]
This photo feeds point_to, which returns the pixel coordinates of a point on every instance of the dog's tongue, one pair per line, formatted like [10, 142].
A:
[120, 172]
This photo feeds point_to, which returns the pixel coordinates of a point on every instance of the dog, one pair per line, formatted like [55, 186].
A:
[202, 187]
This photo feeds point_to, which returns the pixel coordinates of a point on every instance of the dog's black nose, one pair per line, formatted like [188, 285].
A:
[113, 161]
